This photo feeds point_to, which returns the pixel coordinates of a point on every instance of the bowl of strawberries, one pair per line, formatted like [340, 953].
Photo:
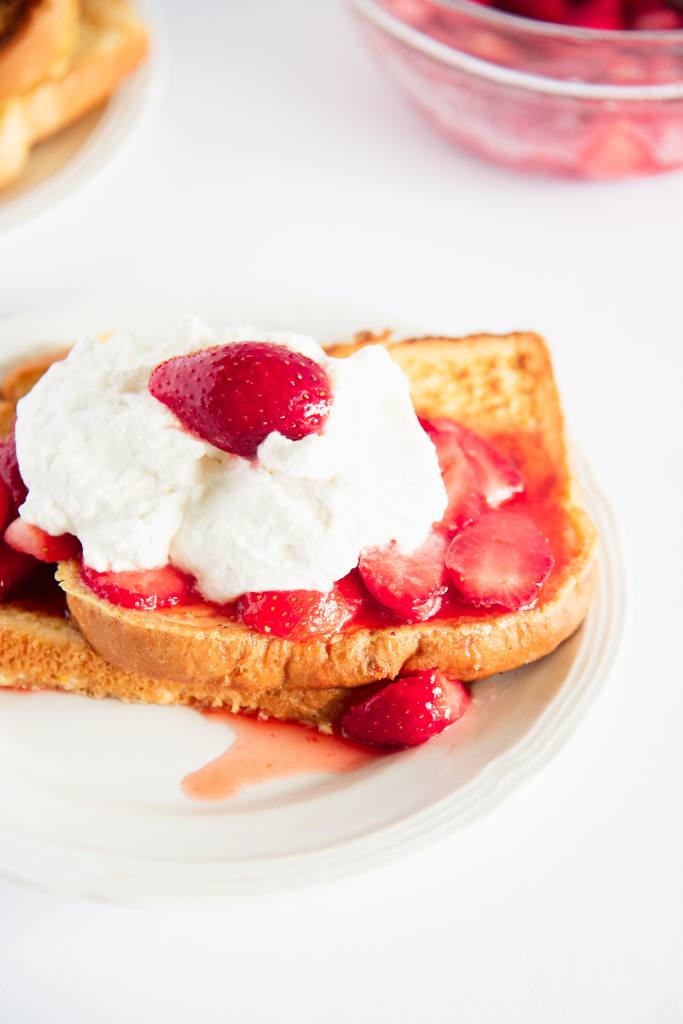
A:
[582, 88]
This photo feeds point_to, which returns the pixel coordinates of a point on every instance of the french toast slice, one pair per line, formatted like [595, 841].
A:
[37, 37]
[108, 43]
[501, 387]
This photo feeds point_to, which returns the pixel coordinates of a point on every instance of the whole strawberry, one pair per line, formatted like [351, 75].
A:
[408, 711]
[234, 396]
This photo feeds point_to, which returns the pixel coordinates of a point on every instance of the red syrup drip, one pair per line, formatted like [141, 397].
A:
[268, 749]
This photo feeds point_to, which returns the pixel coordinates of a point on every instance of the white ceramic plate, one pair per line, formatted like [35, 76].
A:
[63, 164]
[90, 800]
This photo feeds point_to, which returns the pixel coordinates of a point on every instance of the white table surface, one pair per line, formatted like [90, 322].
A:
[281, 155]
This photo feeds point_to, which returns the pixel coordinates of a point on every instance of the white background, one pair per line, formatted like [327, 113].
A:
[282, 155]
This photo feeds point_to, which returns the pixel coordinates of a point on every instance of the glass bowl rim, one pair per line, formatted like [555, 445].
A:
[379, 15]
[532, 26]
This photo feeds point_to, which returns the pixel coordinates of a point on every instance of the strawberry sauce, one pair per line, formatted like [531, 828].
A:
[265, 750]
[541, 502]
[41, 593]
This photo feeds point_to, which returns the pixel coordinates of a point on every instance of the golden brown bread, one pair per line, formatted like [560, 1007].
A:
[36, 39]
[48, 652]
[502, 387]
[19, 381]
[109, 42]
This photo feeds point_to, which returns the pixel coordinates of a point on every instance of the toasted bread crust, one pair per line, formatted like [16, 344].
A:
[46, 652]
[502, 387]
[35, 37]
[234, 656]
[110, 43]
[19, 381]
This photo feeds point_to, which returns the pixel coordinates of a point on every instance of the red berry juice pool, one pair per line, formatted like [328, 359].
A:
[268, 749]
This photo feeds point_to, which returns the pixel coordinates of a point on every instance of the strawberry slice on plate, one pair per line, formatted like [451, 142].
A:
[145, 590]
[301, 614]
[408, 711]
[410, 585]
[501, 560]
[41, 545]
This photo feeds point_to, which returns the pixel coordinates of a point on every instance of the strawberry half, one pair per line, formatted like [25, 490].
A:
[301, 614]
[408, 711]
[465, 501]
[498, 479]
[503, 559]
[15, 567]
[410, 585]
[41, 545]
[233, 396]
[147, 590]
[10, 473]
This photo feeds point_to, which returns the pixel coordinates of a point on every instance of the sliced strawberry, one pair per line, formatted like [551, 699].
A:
[233, 396]
[9, 471]
[146, 590]
[410, 585]
[503, 559]
[597, 14]
[301, 614]
[556, 11]
[465, 501]
[657, 19]
[41, 545]
[408, 711]
[498, 479]
[15, 567]
[6, 503]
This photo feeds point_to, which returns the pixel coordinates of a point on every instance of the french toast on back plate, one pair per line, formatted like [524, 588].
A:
[58, 60]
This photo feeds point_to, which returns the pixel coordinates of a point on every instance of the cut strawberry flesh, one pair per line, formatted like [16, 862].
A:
[501, 560]
[497, 479]
[408, 711]
[302, 614]
[233, 396]
[9, 471]
[460, 479]
[41, 545]
[15, 567]
[410, 585]
[146, 590]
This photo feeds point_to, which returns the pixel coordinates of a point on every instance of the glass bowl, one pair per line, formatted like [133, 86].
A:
[588, 103]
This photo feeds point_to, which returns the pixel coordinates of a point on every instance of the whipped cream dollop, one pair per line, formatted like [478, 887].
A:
[104, 460]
